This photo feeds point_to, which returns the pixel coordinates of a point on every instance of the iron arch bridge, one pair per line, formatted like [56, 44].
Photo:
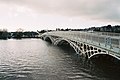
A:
[88, 44]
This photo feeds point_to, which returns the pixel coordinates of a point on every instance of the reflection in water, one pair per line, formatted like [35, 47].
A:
[34, 59]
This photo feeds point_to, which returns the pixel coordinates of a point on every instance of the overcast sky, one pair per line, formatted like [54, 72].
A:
[50, 14]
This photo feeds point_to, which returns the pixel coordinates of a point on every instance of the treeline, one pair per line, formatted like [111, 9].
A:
[108, 28]
[4, 34]
[26, 34]
[43, 31]
[68, 29]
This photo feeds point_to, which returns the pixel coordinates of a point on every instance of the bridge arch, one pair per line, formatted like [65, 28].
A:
[70, 43]
[49, 39]
[104, 59]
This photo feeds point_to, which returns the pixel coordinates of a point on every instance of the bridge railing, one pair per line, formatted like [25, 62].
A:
[99, 39]
[109, 34]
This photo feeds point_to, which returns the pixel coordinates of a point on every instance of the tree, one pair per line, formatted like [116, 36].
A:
[3, 34]
[19, 33]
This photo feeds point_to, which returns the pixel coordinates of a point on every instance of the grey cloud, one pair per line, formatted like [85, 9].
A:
[94, 9]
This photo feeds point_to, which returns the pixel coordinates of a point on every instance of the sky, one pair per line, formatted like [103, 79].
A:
[33, 15]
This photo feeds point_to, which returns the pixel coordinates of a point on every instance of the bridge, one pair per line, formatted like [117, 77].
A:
[89, 44]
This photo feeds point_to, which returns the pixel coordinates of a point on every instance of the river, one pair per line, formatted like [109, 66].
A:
[35, 59]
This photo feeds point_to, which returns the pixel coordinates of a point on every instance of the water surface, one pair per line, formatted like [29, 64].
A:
[34, 59]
